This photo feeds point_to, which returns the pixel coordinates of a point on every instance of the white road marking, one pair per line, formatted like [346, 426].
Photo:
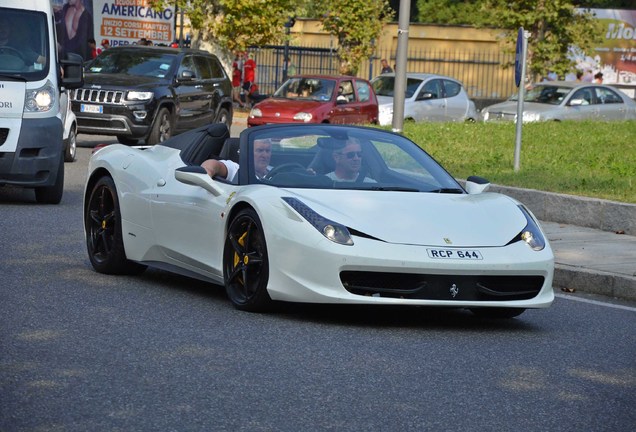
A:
[596, 302]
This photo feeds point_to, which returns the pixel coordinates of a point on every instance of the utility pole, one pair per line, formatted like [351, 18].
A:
[400, 74]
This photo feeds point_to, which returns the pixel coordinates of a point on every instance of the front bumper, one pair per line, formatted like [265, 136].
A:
[130, 120]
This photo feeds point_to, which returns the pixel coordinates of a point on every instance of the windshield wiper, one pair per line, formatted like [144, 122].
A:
[393, 188]
[448, 190]
[13, 77]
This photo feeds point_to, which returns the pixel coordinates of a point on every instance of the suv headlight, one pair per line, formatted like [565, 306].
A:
[40, 100]
[139, 96]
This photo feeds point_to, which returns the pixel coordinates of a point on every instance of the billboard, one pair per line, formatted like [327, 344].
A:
[121, 22]
[616, 56]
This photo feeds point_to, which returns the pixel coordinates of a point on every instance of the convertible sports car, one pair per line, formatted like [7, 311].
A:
[400, 231]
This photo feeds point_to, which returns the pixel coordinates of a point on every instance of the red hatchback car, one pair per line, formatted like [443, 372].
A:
[318, 99]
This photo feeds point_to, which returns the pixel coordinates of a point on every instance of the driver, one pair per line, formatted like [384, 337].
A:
[28, 56]
[227, 169]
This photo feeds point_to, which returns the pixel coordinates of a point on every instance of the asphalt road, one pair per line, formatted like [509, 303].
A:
[81, 351]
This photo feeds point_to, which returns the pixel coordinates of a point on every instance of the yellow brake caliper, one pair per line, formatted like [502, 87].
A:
[237, 259]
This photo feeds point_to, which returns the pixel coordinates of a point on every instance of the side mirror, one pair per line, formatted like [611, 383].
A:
[577, 102]
[186, 75]
[476, 185]
[73, 69]
[197, 176]
[425, 96]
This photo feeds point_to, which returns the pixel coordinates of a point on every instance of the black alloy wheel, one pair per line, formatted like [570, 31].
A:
[245, 263]
[161, 129]
[104, 240]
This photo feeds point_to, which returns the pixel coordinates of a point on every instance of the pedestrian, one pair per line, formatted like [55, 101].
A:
[249, 77]
[291, 68]
[105, 44]
[598, 78]
[385, 67]
[237, 78]
[92, 47]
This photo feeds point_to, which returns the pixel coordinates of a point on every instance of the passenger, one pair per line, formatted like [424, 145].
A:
[348, 163]
[227, 169]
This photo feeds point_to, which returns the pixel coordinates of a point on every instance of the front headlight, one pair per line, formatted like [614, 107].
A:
[304, 116]
[256, 113]
[40, 100]
[531, 234]
[486, 115]
[139, 96]
[531, 117]
[333, 231]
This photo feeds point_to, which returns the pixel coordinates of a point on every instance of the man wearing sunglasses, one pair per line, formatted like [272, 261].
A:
[348, 163]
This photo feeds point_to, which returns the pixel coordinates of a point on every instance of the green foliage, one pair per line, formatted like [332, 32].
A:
[595, 159]
[356, 23]
[554, 27]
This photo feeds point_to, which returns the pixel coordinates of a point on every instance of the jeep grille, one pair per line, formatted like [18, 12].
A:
[98, 96]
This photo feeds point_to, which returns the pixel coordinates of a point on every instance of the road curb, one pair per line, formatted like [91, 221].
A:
[594, 213]
[568, 277]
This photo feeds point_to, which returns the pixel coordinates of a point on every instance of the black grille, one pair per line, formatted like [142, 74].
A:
[442, 287]
[98, 96]
[4, 133]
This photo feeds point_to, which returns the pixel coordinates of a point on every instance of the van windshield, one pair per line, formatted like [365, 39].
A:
[24, 52]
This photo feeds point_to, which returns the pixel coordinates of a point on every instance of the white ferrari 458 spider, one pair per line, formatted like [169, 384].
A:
[315, 214]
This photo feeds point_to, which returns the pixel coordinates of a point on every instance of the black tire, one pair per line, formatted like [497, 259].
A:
[224, 117]
[161, 129]
[104, 240]
[52, 194]
[245, 263]
[126, 141]
[70, 150]
[497, 313]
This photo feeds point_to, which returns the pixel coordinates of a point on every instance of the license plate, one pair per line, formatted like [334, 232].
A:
[92, 109]
[460, 254]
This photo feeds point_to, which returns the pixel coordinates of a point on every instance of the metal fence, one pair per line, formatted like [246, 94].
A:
[483, 74]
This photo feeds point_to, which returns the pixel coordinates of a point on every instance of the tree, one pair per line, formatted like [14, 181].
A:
[555, 27]
[356, 23]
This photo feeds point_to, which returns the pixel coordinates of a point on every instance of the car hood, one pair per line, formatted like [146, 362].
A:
[117, 81]
[431, 219]
[510, 107]
[288, 105]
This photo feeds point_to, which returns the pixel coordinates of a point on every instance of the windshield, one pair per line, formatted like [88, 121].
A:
[385, 86]
[545, 94]
[318, 89]
[24, 47]
[133, 62]
[336, 157]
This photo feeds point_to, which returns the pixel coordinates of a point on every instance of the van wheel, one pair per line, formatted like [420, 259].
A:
[162, 129]
[52, 194]
[70, 151]
[126, 141]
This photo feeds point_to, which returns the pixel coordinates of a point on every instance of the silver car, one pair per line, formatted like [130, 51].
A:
[429, 97]
[566, 100]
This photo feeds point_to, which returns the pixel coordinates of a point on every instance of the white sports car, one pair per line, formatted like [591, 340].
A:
[401, 231]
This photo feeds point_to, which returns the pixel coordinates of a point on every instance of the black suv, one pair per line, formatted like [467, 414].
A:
[151, 93]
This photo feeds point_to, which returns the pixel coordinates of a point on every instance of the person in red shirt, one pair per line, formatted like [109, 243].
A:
[237, 78]
[92, 46]
[249, 76]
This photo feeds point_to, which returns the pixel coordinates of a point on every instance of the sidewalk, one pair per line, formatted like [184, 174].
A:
[593, 261]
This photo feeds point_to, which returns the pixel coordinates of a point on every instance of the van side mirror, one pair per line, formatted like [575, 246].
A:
[73, 69]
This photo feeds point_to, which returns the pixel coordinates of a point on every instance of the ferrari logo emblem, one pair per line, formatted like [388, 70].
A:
[447, 240]
[454, 290]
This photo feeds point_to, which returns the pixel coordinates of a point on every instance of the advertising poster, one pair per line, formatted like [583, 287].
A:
[615, 58]
[124, 22]
[120, 22]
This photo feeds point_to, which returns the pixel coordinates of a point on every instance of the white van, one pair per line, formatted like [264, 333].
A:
[31, 83]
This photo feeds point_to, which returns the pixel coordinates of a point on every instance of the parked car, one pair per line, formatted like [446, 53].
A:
[428, 97]
[565, 100]
[399, 230]
[318, 99]
[152, 93]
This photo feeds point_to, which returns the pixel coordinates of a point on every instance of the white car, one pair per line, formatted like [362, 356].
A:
[428, 97]
[70, 128]
[404, 233]
[565, 100]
